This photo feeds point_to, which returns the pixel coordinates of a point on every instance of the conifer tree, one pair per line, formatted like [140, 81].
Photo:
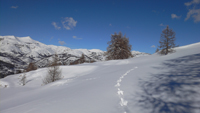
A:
[31, 67]
[167, 40]
[119, 47]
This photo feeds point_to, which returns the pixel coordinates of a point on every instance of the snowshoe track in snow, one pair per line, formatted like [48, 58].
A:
[120, 92]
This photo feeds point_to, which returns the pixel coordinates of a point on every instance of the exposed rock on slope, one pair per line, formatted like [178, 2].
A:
[17, 52]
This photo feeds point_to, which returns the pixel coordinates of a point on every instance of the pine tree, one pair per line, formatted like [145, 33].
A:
[54, 72]
[119, 47]
[167, 40]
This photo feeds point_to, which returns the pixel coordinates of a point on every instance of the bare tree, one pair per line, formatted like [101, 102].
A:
[54, 71]
[167, 40]
[23, 79]
[82, 59]
[119, 47]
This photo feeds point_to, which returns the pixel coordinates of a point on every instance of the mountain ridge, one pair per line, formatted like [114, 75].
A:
[18, 52]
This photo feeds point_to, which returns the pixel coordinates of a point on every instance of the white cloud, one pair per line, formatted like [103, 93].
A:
[14, 7]
[193, 12]
[153, 46]
[69, 23]
[192, 2]
[175, 16]
[55, 25]
[76, 37]
[61, 42]
[110, 24]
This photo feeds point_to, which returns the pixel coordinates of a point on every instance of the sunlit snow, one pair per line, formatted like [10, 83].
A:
[153, 83]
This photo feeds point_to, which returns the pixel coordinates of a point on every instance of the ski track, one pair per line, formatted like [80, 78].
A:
[123, 103]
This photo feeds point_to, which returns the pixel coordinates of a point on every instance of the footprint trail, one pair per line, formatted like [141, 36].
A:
[123, 103]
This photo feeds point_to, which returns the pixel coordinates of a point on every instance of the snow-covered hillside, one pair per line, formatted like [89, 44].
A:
[18, 52]
[148, 84]
[30, 48]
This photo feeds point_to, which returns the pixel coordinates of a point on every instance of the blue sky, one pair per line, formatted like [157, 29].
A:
[89, 24]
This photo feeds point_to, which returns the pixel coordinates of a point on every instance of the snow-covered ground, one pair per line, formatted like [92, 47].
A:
[146, 84]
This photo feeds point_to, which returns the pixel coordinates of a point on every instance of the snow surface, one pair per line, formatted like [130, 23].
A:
[148, 84]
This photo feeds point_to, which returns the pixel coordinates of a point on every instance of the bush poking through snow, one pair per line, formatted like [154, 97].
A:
[53, 72]
[23, 80]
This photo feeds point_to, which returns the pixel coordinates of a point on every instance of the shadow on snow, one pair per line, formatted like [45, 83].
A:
[177, 91]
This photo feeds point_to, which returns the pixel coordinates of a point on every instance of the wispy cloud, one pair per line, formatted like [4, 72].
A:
[68, 23]
[61, 42]
[194, 10]
[14, 7]
[195, 13]
[76, 37]
[162, 24]
[175, 16]
[153, 46]
[192, 2]
[55, 25]
[110, 24]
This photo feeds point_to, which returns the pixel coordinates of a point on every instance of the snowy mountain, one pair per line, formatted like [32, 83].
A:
[17, 52]
[138, 54]
[148, 84]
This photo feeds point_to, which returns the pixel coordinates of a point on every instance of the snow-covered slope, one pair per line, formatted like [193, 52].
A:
[148, 84]
[32, 48]
[138, 54]
[17, 52]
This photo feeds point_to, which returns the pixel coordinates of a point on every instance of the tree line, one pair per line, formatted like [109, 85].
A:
[119, 47]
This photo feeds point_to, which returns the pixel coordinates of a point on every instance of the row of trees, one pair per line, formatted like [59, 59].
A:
[53, 70]
[81, 60]
[119, 47]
